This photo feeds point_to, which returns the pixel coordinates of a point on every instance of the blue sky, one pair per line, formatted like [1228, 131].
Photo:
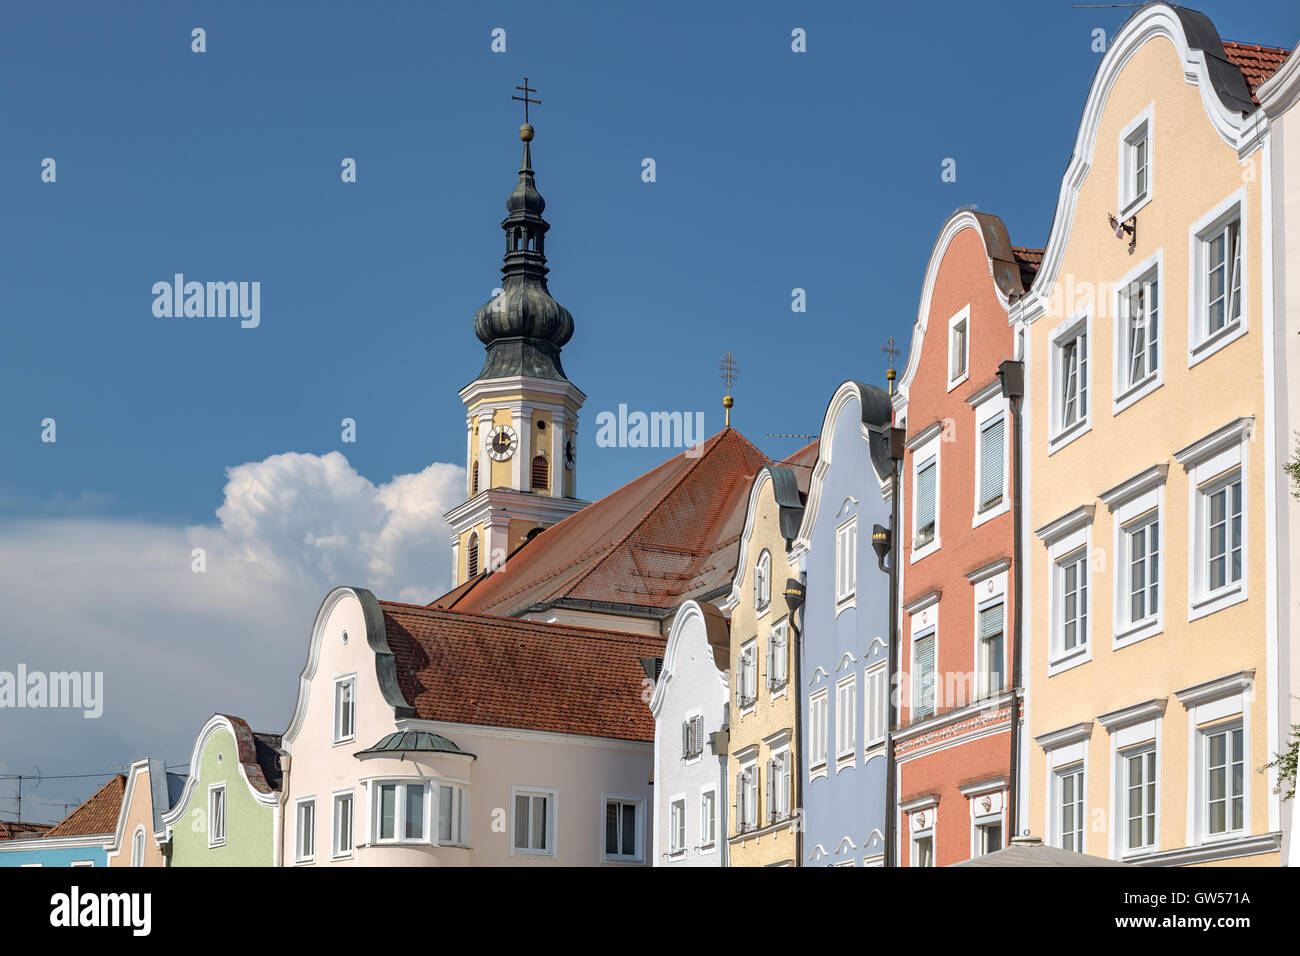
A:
[775, 170]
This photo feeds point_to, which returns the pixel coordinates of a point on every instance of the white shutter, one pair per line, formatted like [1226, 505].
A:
[751, 811]
[923, 675]
[771, 803]
[925, 501]
[686, 738]
[740, 800]
[992, 455]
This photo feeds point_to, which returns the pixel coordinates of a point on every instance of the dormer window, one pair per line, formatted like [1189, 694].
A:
[763, 581]
[959, 348]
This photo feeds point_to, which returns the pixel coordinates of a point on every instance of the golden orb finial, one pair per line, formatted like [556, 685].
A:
[526, 132]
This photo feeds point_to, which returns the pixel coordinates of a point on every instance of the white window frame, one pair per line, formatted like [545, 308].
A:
[930, 631]
[748, 811]
[747, 677]
[876, 704]
[1123, 784]
[217, 791]
[926, 451]
[818, 733]
[638, 822]
[846, 727]
[983, 684]
[1063, 537]
[400, 798]
[459, 813]
[1125, 392]
[1129, 201]
[995, 791]
[962, 320]
[778, 659]
[676, 826]
[1077, 770]
[763, 582]
[987, 412]
[338, 852]
[1217, 459]
[351, 736]
[779, 794]
[846, 564]
[552, 824]
[708, 817]
[1213, 707]
[693, 731]
[919, 833]
[1061, 433]
[304, 835]
[138, 846]
[1201, 343]
[1134, 504]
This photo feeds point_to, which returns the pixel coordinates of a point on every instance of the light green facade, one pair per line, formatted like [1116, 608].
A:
[250, 825]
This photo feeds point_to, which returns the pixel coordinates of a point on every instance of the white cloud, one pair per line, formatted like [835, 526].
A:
[175, 646]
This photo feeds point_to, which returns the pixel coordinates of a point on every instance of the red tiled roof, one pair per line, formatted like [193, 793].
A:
[670, 535]
[1257, 63]
[96, 815]
[506, 672]
[1028, 260]
[15, 830]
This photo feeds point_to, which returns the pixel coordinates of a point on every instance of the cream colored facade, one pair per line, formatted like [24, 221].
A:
[1147, 729]
[762, 740]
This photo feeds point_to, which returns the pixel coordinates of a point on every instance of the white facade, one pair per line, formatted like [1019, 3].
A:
[690, 706]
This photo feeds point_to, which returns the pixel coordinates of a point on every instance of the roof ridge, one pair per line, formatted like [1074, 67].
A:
[521, 622]
[711, 444]
[1256, 46]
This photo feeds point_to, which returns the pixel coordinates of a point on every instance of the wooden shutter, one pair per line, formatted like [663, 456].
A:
[992, 455]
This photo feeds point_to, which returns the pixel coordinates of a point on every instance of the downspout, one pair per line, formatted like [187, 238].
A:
[285, 763]
[1012, 374]
[886, 543]
[795, 592]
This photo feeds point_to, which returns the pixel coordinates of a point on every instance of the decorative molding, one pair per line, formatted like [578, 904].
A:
[1130, 488]
[984, 786]
[924, 435]
[1221, 439]
[925, 600]
[1209, 690]
[1214, 852]
[1065, 736]
[981, 574]
[1080, 517]
[1134, 714]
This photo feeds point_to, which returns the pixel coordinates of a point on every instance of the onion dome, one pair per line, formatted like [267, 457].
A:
[523, 327]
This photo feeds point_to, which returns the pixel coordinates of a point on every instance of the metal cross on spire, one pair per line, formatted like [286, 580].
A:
[730, 370]
[891, 353]
[526, 89]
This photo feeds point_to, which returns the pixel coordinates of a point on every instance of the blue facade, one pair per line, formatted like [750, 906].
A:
[845, 635]
[92, 851]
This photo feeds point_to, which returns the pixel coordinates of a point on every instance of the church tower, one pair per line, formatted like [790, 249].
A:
[521, 418]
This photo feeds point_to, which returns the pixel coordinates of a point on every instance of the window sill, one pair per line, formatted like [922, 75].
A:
[1076, 657]
[217, 844]
[998, 508]
[533, 854]
[1223, 598]
[927, 549]
[1135, 633]
[843, 604]
[342, 856]
[954, 382]
[821, 770]
[629, 860]
[1066, 435]
[846, 761]
[1135, 393]
[1134, 206]
[1213, 343]
[344, 741]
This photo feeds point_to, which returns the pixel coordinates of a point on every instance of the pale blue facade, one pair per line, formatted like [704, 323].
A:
[54, 853]
[845, 632]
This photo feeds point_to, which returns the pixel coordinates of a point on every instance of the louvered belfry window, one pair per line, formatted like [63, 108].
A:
[474, 481]
[473, 555]
[541, 473]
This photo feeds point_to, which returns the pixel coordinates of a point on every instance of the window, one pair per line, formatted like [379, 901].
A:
[923, 676]
[676, 827]
[957, 348]
[137, 848]
[622, 833]
[992, 657]
[1069, 808]
[846, 718]
[777, 658]
[472, 557]
[1222, 276]
[763, 581]
[692, 737]
[778, 788]
[1136, 170]
[1139, 783]
[342, 825]
[401, 809]
[923, 848]
[708, 818]
[1140, 327]
[541, 473]
[988, 838]
[1073, 396]
[305, 841]
[345, 716]
[747, 798]
[877, 706]
[1225, 780]
[846, 560]
[473, 488]
[991, 462]
[817, 706]
[1072, 588]
[451, 815]
[217, 815]
[747, 678]
[1142, 569]
[1217, 313]
[1222, 517]
[534, 823]
[926, 515]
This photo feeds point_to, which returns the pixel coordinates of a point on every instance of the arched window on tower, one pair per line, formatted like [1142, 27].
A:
[541, 473]
[473, 481]
[473, 555]
[518, 238]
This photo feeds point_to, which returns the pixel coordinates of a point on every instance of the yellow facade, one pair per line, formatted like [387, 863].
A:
[1192, 173]
[766, 729]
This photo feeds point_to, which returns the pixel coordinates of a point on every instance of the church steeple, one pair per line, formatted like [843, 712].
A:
[521, 411]
[523, 327]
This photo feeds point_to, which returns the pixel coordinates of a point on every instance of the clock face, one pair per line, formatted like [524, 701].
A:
[568, 453]
[502, 442]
